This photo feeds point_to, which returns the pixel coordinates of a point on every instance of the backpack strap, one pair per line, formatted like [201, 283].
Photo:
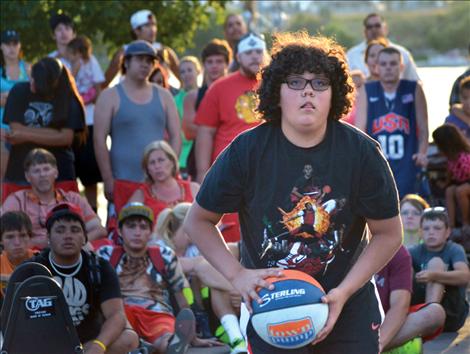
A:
[157, 259]
[116, 255]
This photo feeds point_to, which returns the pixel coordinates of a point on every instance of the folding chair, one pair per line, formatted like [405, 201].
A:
[39, 321]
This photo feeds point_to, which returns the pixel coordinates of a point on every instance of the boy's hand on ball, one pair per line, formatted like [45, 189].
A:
[248, 281]
[336, 298]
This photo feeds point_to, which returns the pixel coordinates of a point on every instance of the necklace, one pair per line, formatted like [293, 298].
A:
[55, 265]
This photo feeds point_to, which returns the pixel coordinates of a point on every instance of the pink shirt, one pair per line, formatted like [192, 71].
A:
[460, 168]
[25, 200]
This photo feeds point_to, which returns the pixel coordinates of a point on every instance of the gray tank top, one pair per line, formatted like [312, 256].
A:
[132, 128]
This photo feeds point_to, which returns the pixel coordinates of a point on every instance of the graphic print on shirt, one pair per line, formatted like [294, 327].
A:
[38, 114]
[245, 107]
[308, 238]
[393, 128]
[75, 295]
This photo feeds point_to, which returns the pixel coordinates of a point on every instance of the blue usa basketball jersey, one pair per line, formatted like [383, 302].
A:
[393, 124]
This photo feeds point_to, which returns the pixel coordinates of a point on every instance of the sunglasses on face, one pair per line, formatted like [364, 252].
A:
[299, 83]
[373, 25]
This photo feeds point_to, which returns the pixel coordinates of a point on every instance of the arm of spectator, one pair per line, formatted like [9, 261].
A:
[113, 67]
[114, 323]
[204, 146]
[194, 188]
[95, 230]
[172, 120]
[174, 62]
[457, 110]
[102, 125]
[189, 113]
[411, 71]
[423, 131]
[20, 134]
[361, 109]
[395, 316]
[458, 277]
[3, 98]
[385, 241]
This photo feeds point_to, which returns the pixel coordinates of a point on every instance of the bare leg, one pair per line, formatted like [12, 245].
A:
[418, 324]
[450, 203]
[435, 291]
[462, 194]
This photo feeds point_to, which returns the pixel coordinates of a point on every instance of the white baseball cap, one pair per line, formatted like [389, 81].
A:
[142, 17]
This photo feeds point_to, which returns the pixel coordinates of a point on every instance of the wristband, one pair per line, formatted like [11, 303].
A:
[100, 344]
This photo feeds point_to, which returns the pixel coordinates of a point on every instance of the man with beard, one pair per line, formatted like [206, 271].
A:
[228, 110]
[40, 168]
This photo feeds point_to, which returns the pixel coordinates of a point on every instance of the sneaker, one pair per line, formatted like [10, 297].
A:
[185, 331]
[238, 346]
[413, 346]
[292, 260]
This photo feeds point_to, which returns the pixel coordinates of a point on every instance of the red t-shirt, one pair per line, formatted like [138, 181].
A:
[228, 106]
[396, 275]
[158, 205]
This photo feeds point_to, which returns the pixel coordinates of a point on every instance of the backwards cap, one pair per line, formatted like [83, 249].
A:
[141, 17]
[65, 210]
[251, 41]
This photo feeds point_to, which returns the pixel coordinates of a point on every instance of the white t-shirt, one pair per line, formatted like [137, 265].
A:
[88, 76]
[356, 61]
[55, 54]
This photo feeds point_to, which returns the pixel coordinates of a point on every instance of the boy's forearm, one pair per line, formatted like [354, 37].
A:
[452, 277]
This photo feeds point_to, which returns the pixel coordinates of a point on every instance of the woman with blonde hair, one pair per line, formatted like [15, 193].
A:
[163, 187]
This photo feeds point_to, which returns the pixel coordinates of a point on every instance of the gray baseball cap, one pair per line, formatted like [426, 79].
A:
[140, 47]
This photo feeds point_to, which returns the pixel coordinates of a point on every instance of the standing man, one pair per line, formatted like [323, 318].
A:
[394, 112]
[227, 110]
[374, 28]
[144, 27]
[304, 92]
[134, 113]
[63, 32]
[89, 283]
[40, 169]
[234, 29]
[216, 57]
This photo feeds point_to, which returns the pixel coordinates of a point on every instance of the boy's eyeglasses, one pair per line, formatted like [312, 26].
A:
[299, 83]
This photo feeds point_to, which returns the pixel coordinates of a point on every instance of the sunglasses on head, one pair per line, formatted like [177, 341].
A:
[435, 210]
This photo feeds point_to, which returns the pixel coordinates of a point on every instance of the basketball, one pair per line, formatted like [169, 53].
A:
[292, 314]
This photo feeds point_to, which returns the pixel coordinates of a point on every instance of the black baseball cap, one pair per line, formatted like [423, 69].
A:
[140, 47]
[57, 19]
[10, 36]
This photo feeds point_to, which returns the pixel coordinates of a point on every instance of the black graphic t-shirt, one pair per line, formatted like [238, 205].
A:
[26, 108]
[302, 208]
[83, 295]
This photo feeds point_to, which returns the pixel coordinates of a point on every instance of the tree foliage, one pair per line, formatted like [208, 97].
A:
[108, 20]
